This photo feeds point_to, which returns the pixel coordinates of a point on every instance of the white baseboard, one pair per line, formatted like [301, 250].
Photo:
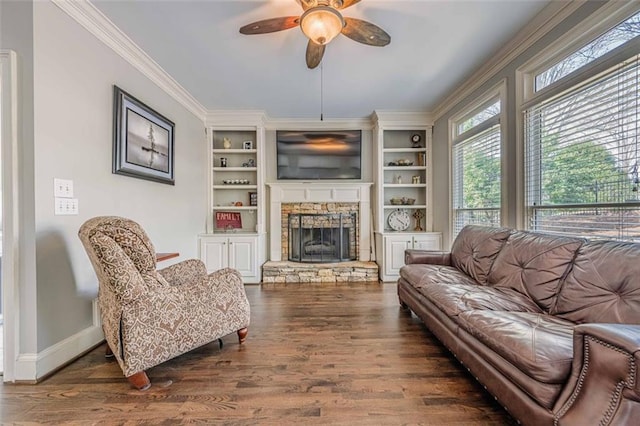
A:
[31, 367]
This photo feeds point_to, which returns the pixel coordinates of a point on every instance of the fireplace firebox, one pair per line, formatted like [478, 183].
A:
[322, 238]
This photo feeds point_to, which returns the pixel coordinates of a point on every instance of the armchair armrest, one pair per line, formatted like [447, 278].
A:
[603, 387]
[432, 257]
[185, 272]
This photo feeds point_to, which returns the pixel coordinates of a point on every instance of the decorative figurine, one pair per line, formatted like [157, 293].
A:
[418, 216]
[226, 143]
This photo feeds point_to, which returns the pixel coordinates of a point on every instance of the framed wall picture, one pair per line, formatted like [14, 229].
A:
[143, 144]
[247, 145]
[253, 198]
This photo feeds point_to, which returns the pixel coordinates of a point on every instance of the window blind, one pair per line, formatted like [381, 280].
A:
[581, 158]
[476, 179]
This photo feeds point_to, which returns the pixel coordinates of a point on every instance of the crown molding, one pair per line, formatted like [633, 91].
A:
[402, 119]
[545, 21]
[94, 21]
[225, 118]
[311, 124]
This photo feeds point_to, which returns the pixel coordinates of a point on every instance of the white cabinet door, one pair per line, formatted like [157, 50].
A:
[427, 241]
[394, 248]
[214, 252]
[243, 253]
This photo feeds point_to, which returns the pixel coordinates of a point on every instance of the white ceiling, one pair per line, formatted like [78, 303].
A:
[435, 45]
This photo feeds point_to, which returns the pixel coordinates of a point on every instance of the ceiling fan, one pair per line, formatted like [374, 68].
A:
[321, 22]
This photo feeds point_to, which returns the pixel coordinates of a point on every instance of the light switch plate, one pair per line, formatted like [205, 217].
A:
[66, 206]
[62, 188]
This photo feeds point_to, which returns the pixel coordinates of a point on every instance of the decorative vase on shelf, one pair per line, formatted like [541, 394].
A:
[226, 143]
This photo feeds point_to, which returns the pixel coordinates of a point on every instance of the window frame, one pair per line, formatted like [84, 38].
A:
[597, 24]
[497, 92]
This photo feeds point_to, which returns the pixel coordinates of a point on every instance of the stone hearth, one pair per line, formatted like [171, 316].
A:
[294, 272]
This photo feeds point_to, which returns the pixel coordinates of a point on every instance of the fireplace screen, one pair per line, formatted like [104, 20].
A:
[322, 237]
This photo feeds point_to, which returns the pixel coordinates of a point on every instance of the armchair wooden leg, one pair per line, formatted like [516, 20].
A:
[108, 353]
[242, 334]
[140, 381]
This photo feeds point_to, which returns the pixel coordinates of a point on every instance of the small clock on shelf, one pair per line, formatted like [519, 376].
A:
[399, 220]
[415, 140]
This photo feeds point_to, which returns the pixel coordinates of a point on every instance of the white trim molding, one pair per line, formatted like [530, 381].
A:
[94, 21]
[9, 113]
[545, 21]
[61, 353]
[30, 367]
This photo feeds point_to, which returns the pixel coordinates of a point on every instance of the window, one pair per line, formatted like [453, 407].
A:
[613, 38]
[476, 167]
[581, 141]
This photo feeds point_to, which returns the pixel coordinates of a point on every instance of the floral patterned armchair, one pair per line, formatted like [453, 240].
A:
[150, 316]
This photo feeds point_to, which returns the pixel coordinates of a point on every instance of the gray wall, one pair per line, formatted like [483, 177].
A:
[73, 79]
[441, 172]
[16, 33]
[67, 78]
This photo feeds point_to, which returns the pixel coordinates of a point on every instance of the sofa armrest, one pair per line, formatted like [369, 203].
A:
[603, 387]
[184, 272]
[432, 257]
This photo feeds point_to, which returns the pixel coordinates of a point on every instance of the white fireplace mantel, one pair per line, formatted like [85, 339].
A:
[314, 192]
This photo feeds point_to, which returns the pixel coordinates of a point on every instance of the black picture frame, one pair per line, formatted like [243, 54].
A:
[253, 198]
[143, 140]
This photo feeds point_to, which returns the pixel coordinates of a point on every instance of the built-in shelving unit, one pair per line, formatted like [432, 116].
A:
[236, 186]
[402, 162]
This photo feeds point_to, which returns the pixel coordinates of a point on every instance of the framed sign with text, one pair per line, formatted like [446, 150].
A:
[228, 220]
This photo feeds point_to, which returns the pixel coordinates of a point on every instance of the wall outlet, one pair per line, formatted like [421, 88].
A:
[62, 188]
[66, 206]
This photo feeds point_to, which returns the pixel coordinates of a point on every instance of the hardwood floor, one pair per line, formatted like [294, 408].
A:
[316, 354]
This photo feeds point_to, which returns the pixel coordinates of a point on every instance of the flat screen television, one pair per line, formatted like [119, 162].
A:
[313, 155]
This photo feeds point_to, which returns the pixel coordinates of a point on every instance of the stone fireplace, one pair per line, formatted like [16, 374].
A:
[320, 232]
[321, 237]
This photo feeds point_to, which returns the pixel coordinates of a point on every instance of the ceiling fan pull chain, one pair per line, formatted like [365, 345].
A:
[321, 92]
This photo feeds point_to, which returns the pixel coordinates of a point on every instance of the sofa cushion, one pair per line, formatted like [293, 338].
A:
[419, 275]
[454, 299]
[539, 345]
[603, 285]
[475, 249]
[534, 264]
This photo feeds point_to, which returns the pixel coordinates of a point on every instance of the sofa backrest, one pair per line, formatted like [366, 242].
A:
[534, 264]
[603, 285]
[475, 249]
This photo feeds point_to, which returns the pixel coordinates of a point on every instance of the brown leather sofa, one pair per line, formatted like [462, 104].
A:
[549, 325]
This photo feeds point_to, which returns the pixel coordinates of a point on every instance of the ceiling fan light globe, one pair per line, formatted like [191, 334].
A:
[321, 24]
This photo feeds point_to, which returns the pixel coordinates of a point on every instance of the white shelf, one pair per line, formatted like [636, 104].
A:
[234, 151]
[403, 150]
[405, 185]
[234, 208]
[235, 169]
[398, 168]
[404, 206]
[235, 186]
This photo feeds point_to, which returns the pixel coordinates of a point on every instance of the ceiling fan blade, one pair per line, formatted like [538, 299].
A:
[365, 32]
[271, 25]
[314, 54]
[347, 3]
